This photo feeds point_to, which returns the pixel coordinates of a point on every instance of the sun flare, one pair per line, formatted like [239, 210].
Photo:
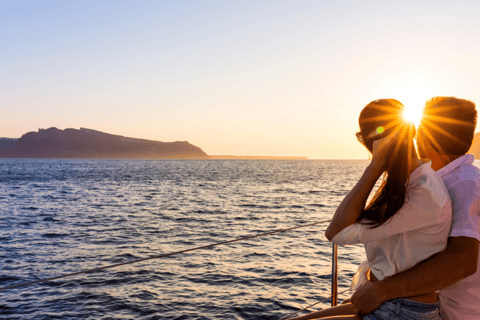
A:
[413, 114]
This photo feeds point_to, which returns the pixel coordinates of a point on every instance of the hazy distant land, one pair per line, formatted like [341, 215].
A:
[88, 143]
[475, 150]
[256, 158]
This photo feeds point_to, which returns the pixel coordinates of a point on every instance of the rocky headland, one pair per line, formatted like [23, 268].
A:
[87, 143]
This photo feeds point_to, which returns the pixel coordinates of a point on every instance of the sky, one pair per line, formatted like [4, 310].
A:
[268, 78]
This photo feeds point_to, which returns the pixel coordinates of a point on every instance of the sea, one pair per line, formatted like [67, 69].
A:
[61, 216]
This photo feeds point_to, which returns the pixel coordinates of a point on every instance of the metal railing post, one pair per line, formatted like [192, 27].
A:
[334, 276]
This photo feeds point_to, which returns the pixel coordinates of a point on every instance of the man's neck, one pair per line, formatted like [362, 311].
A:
[441, 160]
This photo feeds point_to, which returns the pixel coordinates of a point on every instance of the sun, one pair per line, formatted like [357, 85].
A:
[413, 114]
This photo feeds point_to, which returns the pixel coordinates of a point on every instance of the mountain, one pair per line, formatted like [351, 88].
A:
[7, 143]
[87, 143]
[475, 148]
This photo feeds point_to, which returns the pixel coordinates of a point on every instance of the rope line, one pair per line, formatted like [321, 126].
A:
[292, 314]
[156, 257]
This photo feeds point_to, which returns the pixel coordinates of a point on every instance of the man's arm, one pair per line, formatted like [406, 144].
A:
[458, 261]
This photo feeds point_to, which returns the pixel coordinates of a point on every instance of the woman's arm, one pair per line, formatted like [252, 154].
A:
[352, 206]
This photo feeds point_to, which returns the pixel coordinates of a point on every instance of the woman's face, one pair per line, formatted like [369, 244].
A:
[368, 137]
[379, 119]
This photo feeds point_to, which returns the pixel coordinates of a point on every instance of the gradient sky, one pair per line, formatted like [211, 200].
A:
[272, 78]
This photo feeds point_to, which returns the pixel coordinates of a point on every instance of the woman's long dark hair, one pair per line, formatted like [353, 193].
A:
[379, 119]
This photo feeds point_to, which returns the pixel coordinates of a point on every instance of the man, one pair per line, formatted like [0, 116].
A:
[444, 136]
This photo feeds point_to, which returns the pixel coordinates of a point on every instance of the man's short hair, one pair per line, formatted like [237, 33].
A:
[451, 123]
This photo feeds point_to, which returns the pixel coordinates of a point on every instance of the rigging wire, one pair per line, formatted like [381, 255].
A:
[156, 257]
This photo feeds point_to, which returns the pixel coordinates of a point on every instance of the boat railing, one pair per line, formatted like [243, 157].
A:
[334, 275]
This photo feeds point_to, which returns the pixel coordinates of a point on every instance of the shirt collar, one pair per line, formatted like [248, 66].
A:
[465, 159]
[420, 170]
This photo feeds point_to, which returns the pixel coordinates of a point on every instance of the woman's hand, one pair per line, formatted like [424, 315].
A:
[382, 150]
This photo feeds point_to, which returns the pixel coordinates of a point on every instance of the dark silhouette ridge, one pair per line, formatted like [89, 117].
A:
[87, 143]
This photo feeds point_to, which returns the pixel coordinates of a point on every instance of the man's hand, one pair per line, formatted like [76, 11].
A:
[367, 298]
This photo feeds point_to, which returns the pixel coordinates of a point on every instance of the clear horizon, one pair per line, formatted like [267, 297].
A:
[249, 78]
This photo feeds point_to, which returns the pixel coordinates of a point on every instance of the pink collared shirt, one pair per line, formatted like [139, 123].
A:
[461, 301]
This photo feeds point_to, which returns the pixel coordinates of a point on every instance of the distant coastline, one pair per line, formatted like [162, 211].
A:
[254, 158]
[92, 144]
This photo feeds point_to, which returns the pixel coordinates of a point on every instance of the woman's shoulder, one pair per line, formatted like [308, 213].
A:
[424, 175]
[425, 182]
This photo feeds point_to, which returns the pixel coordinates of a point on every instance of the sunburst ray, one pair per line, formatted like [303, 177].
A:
[380, 118]
[434, 118]
[431, 138]
[442, 131]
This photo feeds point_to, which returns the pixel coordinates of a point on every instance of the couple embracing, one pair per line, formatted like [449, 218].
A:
[421, 228]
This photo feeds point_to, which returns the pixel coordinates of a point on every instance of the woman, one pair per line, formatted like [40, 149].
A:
[407, 220]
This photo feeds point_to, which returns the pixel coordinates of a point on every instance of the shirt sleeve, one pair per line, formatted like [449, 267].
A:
[465, 197]
[349, 235]
[427, 205]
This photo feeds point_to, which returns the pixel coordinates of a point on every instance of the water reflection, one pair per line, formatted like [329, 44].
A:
[59, 216]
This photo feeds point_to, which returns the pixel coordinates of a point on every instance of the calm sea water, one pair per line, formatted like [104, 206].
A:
[63, 216]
